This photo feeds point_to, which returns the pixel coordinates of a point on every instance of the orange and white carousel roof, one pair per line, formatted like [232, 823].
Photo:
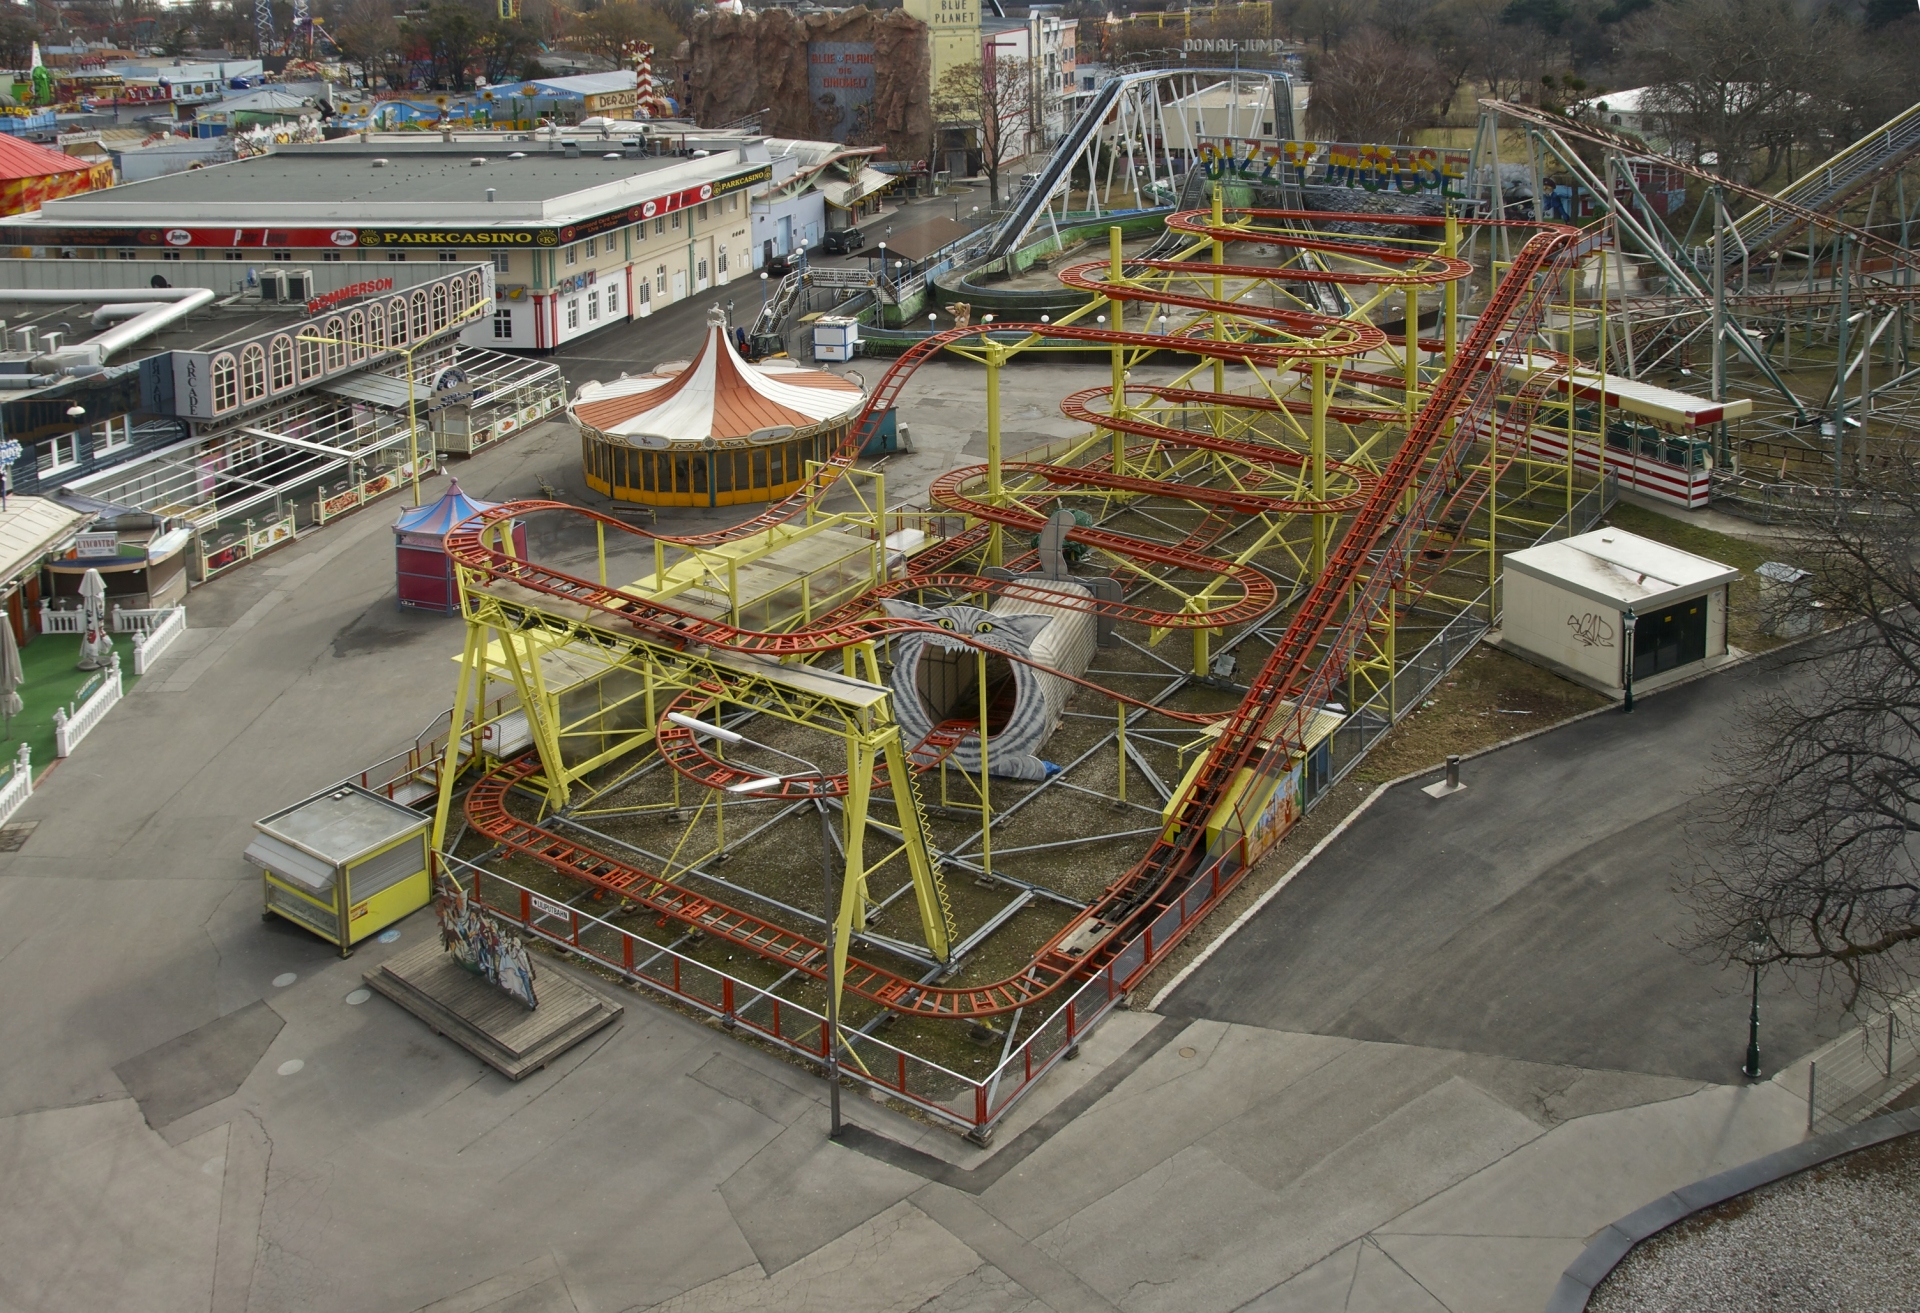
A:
[718, 396]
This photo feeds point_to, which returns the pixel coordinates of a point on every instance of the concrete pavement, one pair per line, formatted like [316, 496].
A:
[1530, 916]
[198, 1111]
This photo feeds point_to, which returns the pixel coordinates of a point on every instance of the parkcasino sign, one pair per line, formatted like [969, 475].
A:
[1406, 169]
[489, 238]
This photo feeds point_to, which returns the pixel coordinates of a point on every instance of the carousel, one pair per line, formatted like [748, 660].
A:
[715, 431]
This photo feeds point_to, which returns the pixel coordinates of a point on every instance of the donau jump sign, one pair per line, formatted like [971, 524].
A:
[840, 79]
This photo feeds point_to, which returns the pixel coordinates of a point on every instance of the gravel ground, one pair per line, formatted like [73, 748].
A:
[1844, 1237]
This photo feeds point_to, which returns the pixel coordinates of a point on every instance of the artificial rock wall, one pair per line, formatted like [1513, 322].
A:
[743, 63]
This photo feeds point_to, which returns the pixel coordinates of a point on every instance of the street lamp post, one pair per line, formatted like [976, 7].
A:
[829, 910]
[1756, 940]
[1629, 622]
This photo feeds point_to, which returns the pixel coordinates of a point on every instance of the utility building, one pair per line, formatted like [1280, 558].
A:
[1566, 606]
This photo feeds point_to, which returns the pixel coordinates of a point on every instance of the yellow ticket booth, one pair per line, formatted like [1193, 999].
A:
[344, 863]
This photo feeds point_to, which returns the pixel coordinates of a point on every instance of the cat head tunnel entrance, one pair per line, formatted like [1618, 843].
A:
[936, 679]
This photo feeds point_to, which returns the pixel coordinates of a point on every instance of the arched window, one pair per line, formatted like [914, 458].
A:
[376, 326]
[336, 348]
[280, 362]
[310, 348]
[253, 373]
[397, 322]
[437, 298]
[226, 383]
[418, 329]
[357, 338]
[457, 297]
[474, 289]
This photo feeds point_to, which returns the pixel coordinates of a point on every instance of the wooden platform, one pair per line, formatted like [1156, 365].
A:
[484, 1020]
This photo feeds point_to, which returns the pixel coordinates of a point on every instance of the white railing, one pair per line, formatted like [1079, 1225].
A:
[142, 621]
[18, 786]
[61, 622]
[168, 623]
[72, 723]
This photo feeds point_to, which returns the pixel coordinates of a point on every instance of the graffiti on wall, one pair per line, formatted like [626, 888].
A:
[1409, 170]
[1590, 630]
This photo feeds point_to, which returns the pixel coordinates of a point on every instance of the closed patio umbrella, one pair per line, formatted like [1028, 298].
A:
[96, 645]
[12, 676]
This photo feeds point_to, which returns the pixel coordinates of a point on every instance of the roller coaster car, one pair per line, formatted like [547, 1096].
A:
[1651, 443]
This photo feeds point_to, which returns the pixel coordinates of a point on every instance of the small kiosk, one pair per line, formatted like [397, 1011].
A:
[344, 864]
[1566, 605]
[423, 570]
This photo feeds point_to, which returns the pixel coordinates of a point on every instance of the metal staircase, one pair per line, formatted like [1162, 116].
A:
[1826, 187]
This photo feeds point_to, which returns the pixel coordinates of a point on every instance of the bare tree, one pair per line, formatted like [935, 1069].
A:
[1374, 89]
[1739, 81]
[997, 102]
[612, 29]
[1809, 854]
[368, 36]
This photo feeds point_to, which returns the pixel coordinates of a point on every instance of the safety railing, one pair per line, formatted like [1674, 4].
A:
[77, 719]
[65, 621]
[162, 627]
[1417, 677]
[72, 620]
[352, 498]
[251, 541]
[974, 1104]
[1861, 1072]
[17, 787]
[141, 620]
[411, 775]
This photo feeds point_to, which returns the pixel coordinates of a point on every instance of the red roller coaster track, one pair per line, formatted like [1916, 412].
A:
[1393, 515]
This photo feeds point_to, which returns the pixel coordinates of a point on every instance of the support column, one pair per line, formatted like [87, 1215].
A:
[995, 490]
[1720, 311]
[1411, 352]
[1451, 315]
[1116, 319]
[1219, 289]
[1317, 464]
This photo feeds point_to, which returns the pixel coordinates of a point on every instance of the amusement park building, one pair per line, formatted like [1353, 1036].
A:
[581, 229]
[240, 409]
[713, 432]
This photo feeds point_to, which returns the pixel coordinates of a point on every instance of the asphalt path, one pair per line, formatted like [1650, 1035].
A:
[1533, 916]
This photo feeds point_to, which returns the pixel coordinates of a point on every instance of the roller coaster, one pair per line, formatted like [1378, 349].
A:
[1386, 517]
[1353, 485]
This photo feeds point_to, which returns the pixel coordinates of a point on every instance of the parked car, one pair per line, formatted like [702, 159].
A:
[779, 266]
[844, 242]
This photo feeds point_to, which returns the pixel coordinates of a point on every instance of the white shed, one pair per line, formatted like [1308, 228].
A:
[1565, 606]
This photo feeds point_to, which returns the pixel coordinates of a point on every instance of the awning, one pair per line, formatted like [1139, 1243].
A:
[383, 390]
[29, 528]
[291, 865]
[845, 195]
[484, 374]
